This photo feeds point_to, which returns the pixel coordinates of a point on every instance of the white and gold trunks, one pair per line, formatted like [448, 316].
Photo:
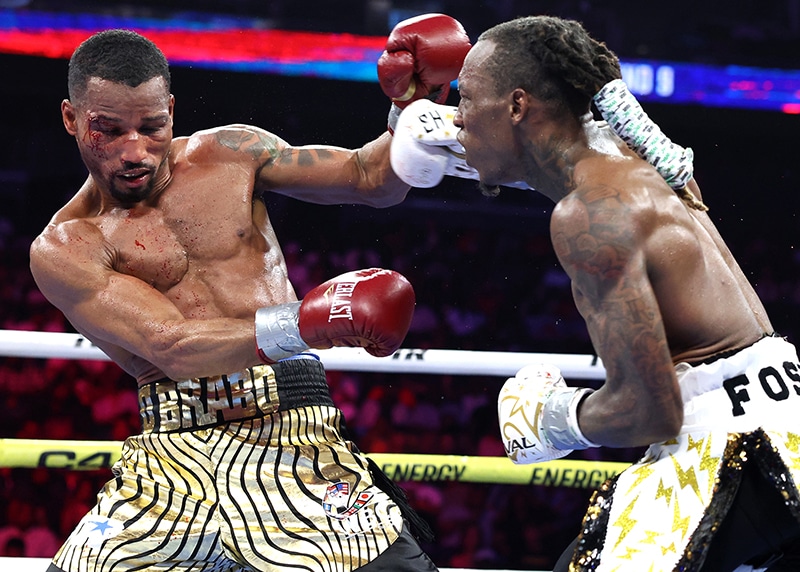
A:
[661, 513]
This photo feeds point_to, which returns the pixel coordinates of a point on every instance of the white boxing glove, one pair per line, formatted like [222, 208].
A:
[424, 147]
[538, 415]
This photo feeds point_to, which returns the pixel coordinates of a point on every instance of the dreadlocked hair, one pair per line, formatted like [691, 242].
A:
[558, 62]
[553, 59]
[690, 199]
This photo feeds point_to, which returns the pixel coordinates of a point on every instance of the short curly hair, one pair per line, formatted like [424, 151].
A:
[121, 56]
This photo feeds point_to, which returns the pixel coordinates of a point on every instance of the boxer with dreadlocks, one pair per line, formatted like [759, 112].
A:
[695, 371]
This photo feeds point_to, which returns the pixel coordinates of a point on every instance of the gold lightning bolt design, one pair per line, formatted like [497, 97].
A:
[663, 491]
[686, 477]
[668, 549]
[793, 443]
[650, 537]
[630, 553]
[695, 445]
[625, 522]
[709, 464]
[641, 472]
[679, 523]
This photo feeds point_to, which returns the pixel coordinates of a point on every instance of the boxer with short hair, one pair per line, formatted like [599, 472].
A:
[694, 368]
[166, 259]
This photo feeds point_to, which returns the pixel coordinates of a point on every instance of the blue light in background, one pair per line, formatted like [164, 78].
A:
[714, 86]
[354, 57]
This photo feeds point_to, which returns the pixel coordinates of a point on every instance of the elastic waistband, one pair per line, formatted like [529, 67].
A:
[168, 406]
[756, 387]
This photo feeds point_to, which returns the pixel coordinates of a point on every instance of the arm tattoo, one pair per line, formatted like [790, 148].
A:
[599, 247]
[600, 244]
[306, 157]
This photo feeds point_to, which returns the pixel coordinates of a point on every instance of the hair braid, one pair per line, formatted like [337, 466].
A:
[573, 58]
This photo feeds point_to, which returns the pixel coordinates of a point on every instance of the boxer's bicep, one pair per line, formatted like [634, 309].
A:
[73, 267]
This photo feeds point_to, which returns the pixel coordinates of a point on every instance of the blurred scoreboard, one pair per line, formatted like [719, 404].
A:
[714, 86]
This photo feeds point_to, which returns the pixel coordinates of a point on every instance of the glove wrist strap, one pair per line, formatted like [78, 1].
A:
[620, 108]
[394, 115]
[278, 332]
[560, 419]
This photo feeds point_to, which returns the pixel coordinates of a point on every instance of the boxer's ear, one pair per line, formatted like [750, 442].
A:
[69, 117]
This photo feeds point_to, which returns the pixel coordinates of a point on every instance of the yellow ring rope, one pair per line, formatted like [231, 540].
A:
[88, 455]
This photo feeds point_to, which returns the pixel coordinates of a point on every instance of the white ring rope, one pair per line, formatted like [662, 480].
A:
[18, 343]
[27, 344]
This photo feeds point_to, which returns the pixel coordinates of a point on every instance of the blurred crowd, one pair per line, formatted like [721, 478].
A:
[484, 271]
[494, 285]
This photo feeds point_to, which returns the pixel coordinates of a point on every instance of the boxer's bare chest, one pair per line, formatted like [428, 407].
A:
[191, 231]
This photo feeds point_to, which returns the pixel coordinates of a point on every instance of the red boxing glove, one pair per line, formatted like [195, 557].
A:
[369, 308]
[422, 56]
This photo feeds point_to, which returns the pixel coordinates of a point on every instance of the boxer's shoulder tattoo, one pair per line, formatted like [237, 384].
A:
[261, 145]
[599, 244]
[597, 235]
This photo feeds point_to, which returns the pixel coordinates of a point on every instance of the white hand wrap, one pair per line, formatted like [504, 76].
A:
[620, 108]
[424, 147]
[538, 415]
[278, 332]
